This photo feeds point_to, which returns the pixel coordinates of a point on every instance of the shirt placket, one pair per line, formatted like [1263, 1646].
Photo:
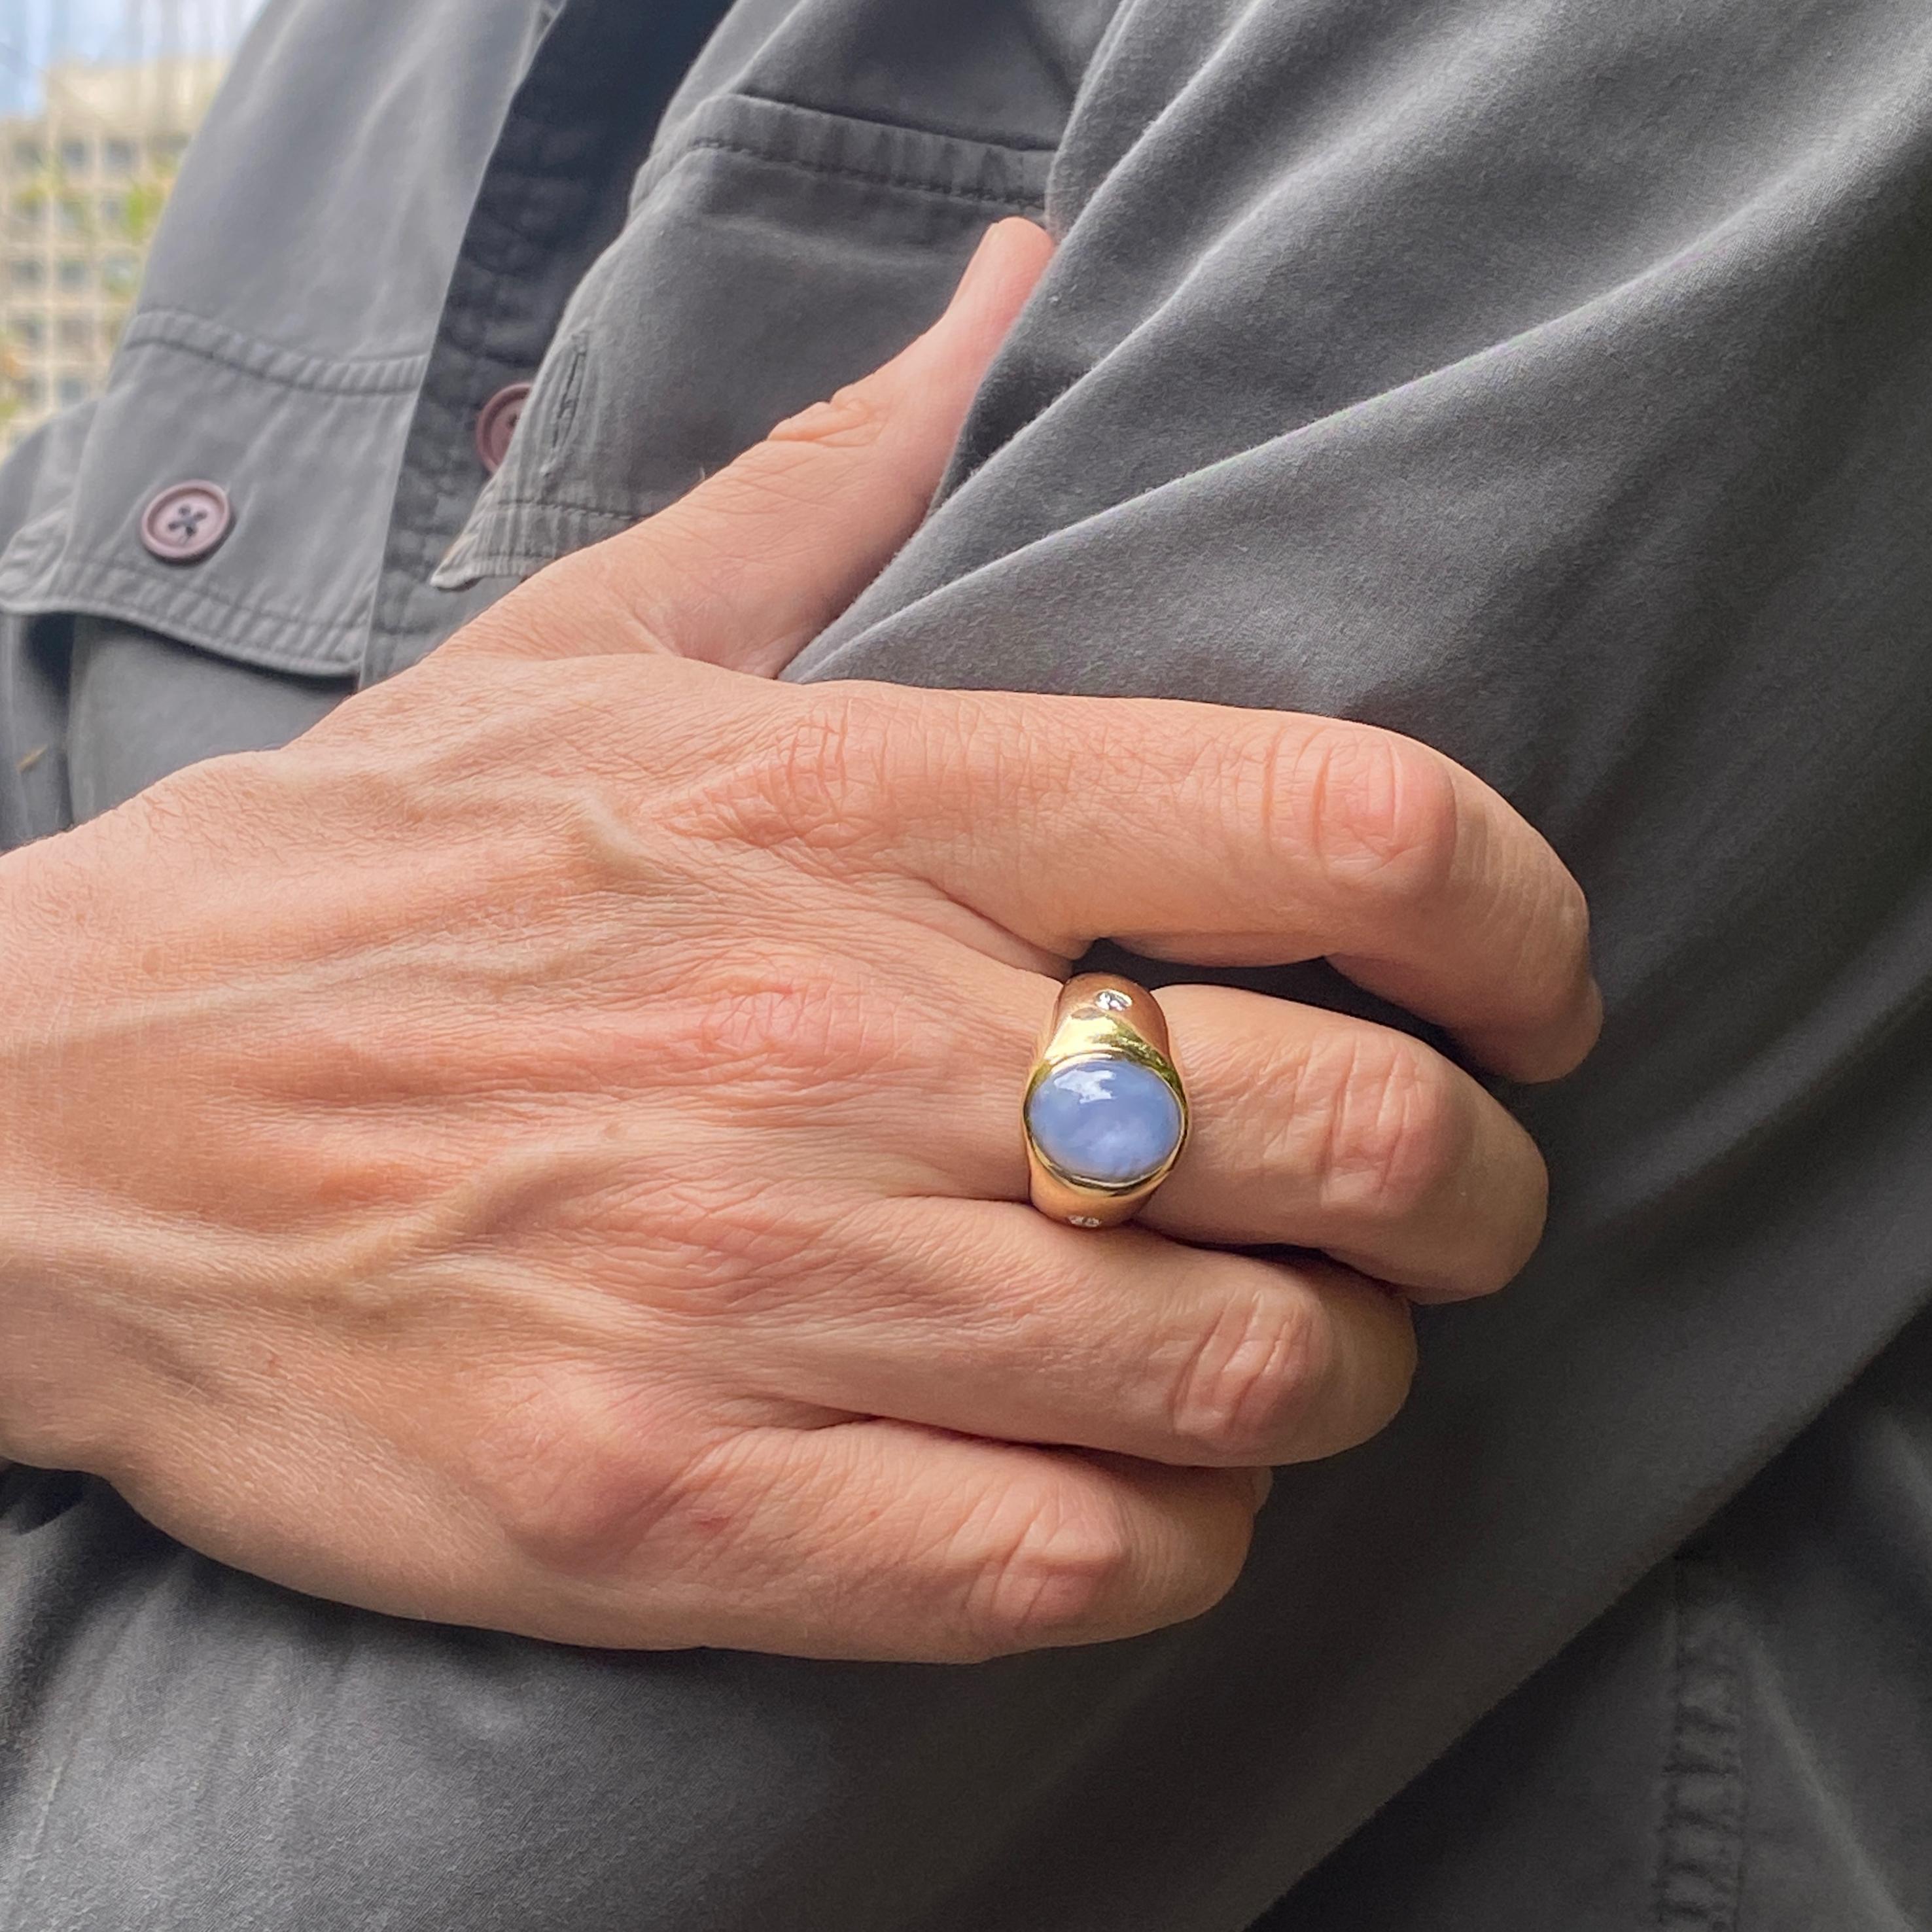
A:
[553, 197]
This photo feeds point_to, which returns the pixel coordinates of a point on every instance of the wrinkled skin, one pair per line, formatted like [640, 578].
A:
[541, 1151]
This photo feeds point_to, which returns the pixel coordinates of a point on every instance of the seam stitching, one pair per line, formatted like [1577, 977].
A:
[912, 184]
[227, 349]
[171, 600]
[1700, 1826]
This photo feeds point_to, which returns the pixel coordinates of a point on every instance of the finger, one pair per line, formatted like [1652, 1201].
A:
[1215, 835]
[753, 563]
[1316, 1130]
[1311, 1129]
[878, 1540]
[987, 1317]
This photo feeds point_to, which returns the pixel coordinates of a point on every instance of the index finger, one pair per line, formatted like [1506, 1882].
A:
[1218, 836]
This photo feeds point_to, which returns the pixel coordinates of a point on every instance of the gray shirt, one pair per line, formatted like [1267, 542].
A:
[1550, 380]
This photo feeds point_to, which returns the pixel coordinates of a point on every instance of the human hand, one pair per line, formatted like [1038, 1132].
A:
[542, 1151]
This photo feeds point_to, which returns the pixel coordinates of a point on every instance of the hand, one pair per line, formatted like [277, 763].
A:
[541, 1151]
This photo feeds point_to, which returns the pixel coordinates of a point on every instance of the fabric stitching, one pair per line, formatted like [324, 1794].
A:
[844, 171]
[1700, 1829]
[541, 503]
[799, 112]
[320, 661]
[785, 133]
[228, 348]
[563, 411]
[500, 541]
[171, 599]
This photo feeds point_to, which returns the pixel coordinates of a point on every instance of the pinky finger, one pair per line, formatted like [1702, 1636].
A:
[888, 1542]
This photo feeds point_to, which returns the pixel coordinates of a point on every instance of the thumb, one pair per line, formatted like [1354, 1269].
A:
[752, 565]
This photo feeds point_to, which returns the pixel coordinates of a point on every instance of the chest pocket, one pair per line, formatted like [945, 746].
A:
[773, 253]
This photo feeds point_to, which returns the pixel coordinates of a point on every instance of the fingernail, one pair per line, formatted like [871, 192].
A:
[1263, 1481]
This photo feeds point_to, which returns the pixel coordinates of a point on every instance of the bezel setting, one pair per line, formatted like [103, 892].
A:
[1100, 1018]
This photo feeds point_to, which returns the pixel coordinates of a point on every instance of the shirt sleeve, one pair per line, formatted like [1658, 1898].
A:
[1554, 384]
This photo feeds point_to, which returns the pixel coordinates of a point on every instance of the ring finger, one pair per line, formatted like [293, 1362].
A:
[1311, 1129]
[1327, 1132]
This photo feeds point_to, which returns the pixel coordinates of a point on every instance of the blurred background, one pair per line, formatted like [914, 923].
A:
[97, 101]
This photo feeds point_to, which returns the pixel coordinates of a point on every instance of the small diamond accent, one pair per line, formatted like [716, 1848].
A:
[1112, 1002]
[1082, 1221]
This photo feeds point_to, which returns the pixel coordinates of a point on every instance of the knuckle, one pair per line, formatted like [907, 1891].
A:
[853, 418]
[606, 597]
[1395, 1130]
[1369, 1354]
[812, 777]
[1375, 810]
[1051, 1568]
[570, 1484]
[1244, 1386]
[793, 779]
[784, 1032]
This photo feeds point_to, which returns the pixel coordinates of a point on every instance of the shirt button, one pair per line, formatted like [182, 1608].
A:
[498, 423]
[187, 522]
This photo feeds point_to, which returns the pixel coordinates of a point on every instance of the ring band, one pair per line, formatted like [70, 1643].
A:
[1105, 1114]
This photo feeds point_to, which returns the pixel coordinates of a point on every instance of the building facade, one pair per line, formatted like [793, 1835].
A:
[82, 182]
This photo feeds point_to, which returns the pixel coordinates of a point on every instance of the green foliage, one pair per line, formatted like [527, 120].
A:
[141, 204]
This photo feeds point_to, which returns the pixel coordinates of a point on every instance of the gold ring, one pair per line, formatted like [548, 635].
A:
[1105, 1114]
